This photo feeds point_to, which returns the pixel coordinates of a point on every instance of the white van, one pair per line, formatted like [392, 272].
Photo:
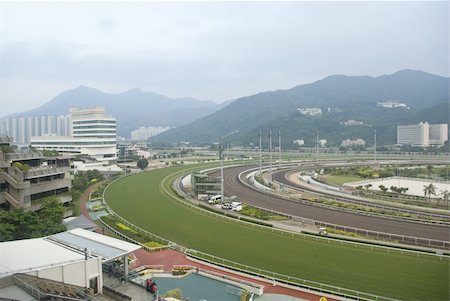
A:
[236, 206]
[215, 199]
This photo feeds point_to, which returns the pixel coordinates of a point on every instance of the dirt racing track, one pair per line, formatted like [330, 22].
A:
[234, 187]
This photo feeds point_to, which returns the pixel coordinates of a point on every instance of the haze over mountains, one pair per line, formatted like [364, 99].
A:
[340, 97]
[132, 109]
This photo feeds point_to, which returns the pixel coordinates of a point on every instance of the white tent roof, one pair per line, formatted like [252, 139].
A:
[20, 256]
[30, 254]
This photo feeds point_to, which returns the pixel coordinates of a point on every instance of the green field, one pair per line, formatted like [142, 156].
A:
[141, 200]
[339, 180]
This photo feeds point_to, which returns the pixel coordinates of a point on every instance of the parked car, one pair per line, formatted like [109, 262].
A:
[226, 206]
[215, 199]
[236, 206]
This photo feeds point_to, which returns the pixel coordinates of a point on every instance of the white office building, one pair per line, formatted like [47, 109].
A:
[93, 133]
[438, 134]
[422, 134]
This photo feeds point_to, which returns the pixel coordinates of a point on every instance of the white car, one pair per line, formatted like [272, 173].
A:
[215, 199]
[236, 206]
[226, 206]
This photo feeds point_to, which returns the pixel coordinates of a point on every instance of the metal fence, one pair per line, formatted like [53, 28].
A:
[285, 279]
[272, 276]
[410, 240]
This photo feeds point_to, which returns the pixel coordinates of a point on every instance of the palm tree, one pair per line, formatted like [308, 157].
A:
[429, 189]
[429, 169]
[445, 195]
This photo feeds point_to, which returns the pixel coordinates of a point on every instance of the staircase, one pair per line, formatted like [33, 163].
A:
[43, 289]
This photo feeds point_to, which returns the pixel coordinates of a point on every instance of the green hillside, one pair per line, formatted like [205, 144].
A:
[340, 97]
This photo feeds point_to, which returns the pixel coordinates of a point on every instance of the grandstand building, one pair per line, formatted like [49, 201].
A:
[27, 177]
[63, 266]
[93, 133]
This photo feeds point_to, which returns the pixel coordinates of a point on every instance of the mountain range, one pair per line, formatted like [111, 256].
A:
[424, 97]
[132, 109]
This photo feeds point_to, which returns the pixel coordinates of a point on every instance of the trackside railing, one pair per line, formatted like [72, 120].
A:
[396, 238]
[272, 276]
[285, 279]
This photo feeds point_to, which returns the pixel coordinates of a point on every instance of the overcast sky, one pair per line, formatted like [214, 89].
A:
[209, 50]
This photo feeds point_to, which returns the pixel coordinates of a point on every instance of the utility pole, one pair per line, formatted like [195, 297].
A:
[221, 173]
[317, 146]
[260, 158]
[270, 156]
[375, 145]
[279, 149]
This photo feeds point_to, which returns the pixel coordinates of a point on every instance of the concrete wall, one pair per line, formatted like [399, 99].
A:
[77, 273]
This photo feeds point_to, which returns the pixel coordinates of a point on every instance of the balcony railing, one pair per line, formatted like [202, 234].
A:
[45, 170]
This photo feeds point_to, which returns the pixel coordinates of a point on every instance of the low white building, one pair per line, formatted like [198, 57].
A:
[67, 263]
[299, 142]
[352, 122]
[351, 143]
[392, 104]
[322, 142]
[310, 111]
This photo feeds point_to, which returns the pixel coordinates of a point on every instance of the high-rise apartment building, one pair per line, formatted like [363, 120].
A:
[93, 133]
[438, 134]
[21, 129]
[422, 134]
[144, 133]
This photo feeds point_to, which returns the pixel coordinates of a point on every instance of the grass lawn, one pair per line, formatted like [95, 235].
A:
[140, 199]
[339, 180]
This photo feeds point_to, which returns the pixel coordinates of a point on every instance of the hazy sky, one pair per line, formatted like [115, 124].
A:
[209, 50]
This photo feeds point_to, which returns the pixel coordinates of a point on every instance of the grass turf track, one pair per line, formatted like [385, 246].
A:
[140, 199]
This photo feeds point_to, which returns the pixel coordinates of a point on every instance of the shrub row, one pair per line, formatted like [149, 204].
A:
[218, 211]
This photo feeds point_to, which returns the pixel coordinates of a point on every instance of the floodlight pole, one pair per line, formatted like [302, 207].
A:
[221, 173]
[279, 149]
[317, 146]
[260, 156]
[375, 145]
[270, 155]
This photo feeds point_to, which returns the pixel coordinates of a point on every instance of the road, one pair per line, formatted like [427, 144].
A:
[247, 195]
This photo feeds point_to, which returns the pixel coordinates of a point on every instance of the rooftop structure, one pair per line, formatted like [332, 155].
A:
[66, 264]
[92, 133]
